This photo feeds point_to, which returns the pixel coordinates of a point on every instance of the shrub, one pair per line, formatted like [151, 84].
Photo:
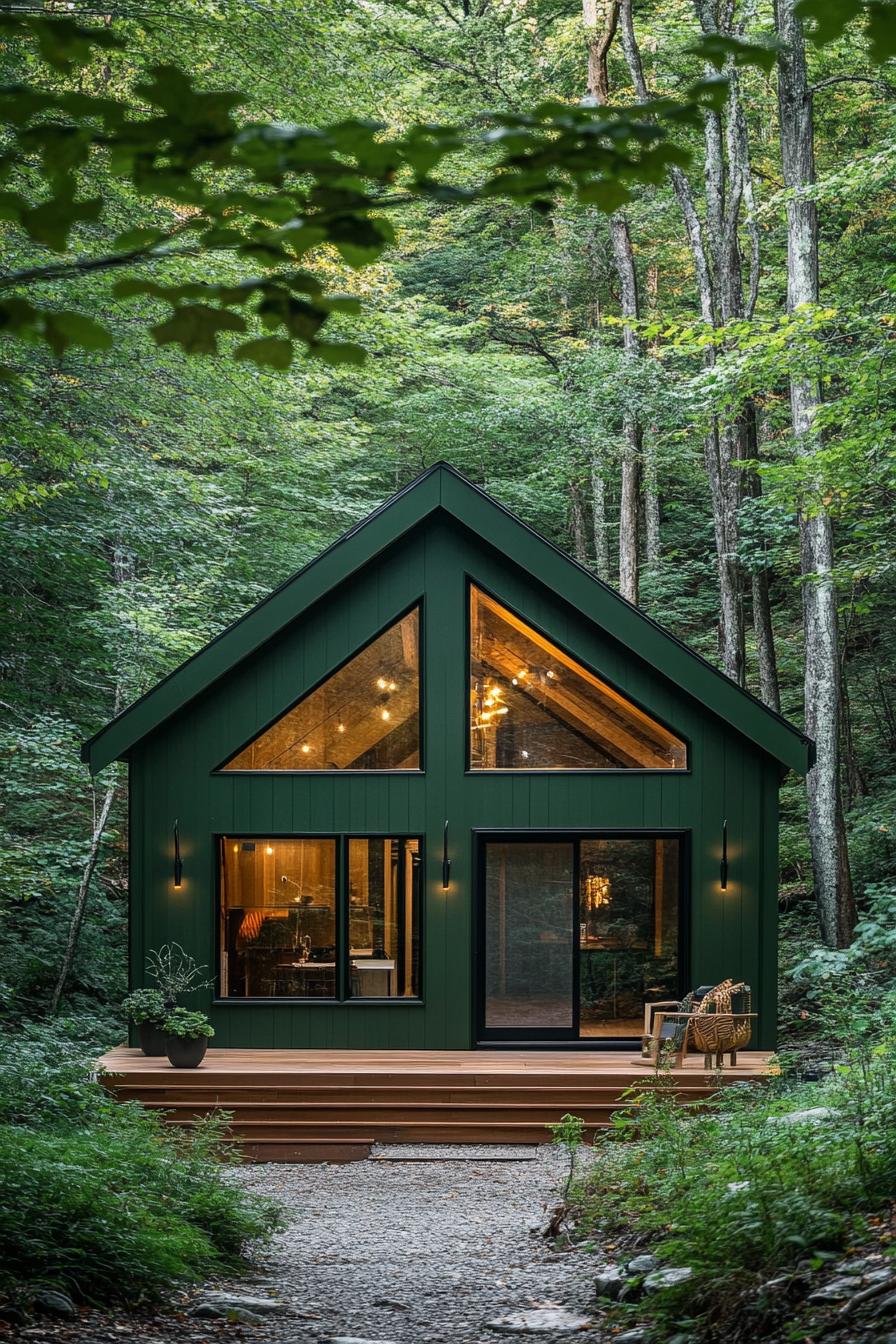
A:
[739, 1195]
[101, 1198]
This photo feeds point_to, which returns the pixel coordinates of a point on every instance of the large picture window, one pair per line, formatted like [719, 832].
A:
[365, 716]
[534, 707]
[319, 917]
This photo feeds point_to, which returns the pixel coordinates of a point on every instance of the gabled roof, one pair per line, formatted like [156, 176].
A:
[443, 489]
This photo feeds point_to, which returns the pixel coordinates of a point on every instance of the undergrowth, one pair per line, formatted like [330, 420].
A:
[739, 1193]
[99, 1198]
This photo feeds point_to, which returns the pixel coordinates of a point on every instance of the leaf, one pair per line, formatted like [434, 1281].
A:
[607, 195]
[62, 43]
[51, 222]
[269, 350]
[881, 29]
[829, 18]
[196, 328]
[338, 352]
[17, 315]
[132, 239]
[12, 205]
[718, 49]
[76, 329]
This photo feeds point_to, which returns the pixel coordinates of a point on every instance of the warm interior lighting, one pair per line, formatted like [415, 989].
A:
[269, 849]
[597, 891]
[535, 706]
[340, 724]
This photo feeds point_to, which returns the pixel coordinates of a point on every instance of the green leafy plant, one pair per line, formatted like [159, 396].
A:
[188, 1026]
[102, 1198]
[750, 1187]
[144, 1005]
[569, 1133]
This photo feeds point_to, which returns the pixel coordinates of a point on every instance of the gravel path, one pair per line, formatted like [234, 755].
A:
[416, 1250]
[388, 1250]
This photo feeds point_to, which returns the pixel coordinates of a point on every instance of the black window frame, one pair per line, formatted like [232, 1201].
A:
[562, 1037]
[507, 772]
[343, 996]
[418, 605]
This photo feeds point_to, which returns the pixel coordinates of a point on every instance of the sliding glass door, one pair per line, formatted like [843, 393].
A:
[529, 953]
[577, 933]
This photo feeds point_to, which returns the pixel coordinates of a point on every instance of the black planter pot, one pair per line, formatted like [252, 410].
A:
[185, 1052]
[152, 1038]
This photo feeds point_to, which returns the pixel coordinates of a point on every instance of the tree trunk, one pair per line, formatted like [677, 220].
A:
[600, 22]
[74, 928]
[599, 518]
[652, 541]
[769, 690]
[827, 832]
[722, 446]
[600, 18]
[577, 523]
[630, 490]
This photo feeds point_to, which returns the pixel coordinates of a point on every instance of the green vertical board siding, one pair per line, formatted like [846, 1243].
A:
[174, 775]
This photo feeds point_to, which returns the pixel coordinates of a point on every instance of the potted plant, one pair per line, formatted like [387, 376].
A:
[146, 1009]
[186, 1038]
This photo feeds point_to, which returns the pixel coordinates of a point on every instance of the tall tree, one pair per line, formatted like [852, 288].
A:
[600, 19]
[827, 832]
[718, 269]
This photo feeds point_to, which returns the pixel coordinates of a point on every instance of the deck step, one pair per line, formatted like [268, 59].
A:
[391, 1131]
[331, 1106]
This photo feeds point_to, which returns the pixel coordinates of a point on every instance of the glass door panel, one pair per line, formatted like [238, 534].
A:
[628, 932]
[529, 959]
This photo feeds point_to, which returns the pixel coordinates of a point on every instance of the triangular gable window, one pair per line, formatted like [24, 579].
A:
[533, 707]
[365, 716]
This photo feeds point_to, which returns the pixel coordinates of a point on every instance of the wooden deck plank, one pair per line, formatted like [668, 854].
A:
[361, 1064]
[324, 1105]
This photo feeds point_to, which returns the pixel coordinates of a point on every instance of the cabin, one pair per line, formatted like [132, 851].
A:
[445, 791]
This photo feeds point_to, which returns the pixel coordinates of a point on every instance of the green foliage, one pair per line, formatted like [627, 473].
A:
[830, 18]
[187, 1026]
[740, 1193]
[99, 1198]
[866, 968]
[568, 1132]
[273, 194]
[144, 1005]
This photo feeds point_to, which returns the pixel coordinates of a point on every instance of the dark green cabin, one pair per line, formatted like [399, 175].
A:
[443, 787]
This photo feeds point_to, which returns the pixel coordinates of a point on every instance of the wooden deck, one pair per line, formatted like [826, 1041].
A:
[320, 1105]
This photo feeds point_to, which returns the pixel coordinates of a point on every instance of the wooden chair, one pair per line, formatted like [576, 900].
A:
[710, 1022]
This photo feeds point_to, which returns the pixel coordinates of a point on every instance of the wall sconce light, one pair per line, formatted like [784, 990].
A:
[178, 863]
[446, 862]
[723, 866]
